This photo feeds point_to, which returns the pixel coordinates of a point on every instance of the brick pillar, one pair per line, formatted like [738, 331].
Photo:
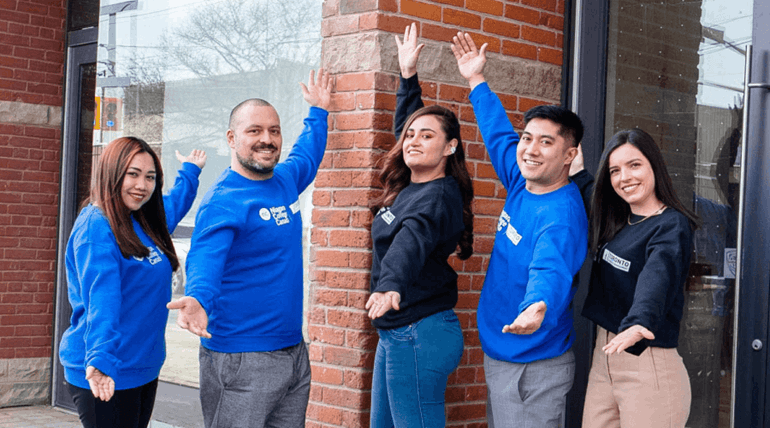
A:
[31, 68]
[525, 55]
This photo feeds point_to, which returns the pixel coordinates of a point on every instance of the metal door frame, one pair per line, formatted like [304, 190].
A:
[586, 96]
[81, 50]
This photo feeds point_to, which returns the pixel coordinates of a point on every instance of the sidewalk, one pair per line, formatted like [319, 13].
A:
[37, 417]
[46, 417]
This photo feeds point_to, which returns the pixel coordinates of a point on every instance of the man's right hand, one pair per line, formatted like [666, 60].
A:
[192, 317]
[408, 52]
[470, 60]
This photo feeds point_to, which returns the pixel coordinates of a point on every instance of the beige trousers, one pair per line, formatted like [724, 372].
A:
[651, 390]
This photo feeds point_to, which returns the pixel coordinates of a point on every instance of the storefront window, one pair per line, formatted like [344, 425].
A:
[170, 71]
[675, 69]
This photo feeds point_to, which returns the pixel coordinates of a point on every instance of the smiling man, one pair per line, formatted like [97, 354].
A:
[244, 270]
[524, 316]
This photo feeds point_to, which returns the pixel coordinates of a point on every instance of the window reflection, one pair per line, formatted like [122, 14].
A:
[675, 69]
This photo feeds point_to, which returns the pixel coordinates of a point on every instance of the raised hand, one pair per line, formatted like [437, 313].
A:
[192, 317]
[528, 321]
[470, 60]
[577, 163]
[379, 303]
[102, 386]
[627, 338]
[408, 51]
[197, 157]
[318, 92]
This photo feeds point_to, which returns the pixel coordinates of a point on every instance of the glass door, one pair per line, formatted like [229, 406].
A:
[676, 69]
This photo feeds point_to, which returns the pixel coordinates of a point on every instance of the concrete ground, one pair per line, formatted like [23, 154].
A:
[181, 366]
[47, 417]
[176, 404]
[37, 417]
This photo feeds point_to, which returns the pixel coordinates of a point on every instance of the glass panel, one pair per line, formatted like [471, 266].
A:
[170, 71]
[675, 69]
[82, 14]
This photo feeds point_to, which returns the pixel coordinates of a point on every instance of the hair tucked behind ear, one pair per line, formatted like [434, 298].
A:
[395, 175]
[106, 194]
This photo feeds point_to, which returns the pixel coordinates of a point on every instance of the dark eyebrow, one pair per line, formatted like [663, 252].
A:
[133, 168]
[541, 137]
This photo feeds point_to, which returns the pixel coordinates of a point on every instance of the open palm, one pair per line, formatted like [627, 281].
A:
[408, 51]
[470, 60]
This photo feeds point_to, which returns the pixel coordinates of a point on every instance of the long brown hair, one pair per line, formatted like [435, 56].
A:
[395, 175]
[106, 194]
[609, 212]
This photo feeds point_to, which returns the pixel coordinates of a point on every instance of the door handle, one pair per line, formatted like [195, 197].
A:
[739, 235]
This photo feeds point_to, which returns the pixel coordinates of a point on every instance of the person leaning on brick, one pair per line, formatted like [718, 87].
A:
[244, 270]
[524, 316]
[422, 217]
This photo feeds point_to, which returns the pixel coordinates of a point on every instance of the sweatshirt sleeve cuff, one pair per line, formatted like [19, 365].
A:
[191, 168]
[582, 177]
[318, 112]
[108, 366]
[480, 90]
[405, 84]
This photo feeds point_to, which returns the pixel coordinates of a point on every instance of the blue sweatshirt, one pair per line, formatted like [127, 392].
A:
[119, 310]
[245, 261]
[540, 245]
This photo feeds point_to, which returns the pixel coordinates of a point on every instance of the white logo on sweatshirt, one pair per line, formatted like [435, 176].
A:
[154, 257]
[386, 216]
[504, 222]
[616, 261]
[265, 214]
[280, 215]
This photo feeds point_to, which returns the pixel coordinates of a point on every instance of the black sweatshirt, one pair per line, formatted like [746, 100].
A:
[412, 240]
[408, 101]
[638, 278]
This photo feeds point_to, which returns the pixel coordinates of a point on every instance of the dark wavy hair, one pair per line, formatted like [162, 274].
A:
[106, 194]
[609, 212]
[395, 175]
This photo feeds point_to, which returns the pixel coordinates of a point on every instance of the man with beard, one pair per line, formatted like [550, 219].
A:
[243, 295]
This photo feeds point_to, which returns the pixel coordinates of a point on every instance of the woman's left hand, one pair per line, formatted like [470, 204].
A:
[102, 386]
[197, 157]
[379, 303]
[627, 338]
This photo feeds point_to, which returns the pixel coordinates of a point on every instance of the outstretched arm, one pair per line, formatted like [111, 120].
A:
[409, 95]
[470, 61]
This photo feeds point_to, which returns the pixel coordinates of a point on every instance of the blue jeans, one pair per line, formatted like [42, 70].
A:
[411, 368]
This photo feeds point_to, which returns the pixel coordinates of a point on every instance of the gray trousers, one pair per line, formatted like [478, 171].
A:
[531, 395]
[255, 389]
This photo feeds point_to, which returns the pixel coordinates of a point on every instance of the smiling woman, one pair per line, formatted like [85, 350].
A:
[139, 182]
[119, 260]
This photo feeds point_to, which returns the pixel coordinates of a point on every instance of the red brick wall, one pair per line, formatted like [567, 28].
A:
[525, 46]
[31, 67]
